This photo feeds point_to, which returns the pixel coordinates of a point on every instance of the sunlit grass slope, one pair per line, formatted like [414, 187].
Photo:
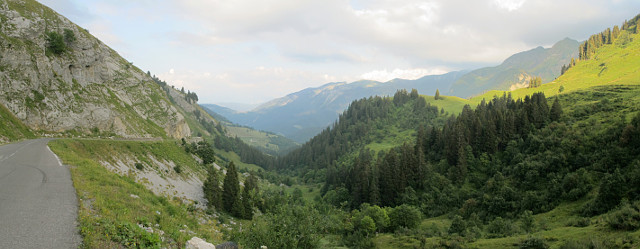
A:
[614, 64]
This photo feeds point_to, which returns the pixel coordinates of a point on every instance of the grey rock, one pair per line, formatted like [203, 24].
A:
[88, 86]
[198, 243]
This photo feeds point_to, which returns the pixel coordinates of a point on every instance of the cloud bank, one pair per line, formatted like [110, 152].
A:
[218, 47]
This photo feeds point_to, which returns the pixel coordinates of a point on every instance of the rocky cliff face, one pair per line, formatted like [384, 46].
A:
[88, 87]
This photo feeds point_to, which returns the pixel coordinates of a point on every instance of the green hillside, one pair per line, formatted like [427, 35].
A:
[11, 128]
[518, 69]
[268, 142]
[612, 64]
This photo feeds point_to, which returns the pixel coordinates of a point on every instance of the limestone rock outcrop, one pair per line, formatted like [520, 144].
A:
[87, 88]
[198, 243]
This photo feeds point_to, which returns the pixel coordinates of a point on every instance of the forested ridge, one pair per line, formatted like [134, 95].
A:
[362, 123]
[557, 168]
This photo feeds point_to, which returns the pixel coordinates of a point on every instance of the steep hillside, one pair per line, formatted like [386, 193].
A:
[301, 115]
[11, 128]
[56, 77]
[517, 70]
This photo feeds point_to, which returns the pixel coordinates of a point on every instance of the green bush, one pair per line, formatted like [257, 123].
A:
[69, 36]
[580, 222]
[458, 225]
[627, 217]
[378, 214]
[130, 235]
[533, 243]
[55, 43]
[286, 227]
[500, 228]
[404, 216]
[139, 166]
[177, 169]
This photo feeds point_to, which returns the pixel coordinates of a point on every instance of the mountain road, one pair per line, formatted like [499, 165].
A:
[38, 203]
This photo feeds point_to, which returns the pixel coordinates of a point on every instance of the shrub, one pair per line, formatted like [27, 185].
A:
[580, 222]
[378, 215]
[500, 228]
[533, 243]
[139, 166]
[404, 216]
[458, 225]
[177, 169]
[130, 235]
[627, 217]
[528, 223]
[286, 227]
[55, 43]
[69, 36]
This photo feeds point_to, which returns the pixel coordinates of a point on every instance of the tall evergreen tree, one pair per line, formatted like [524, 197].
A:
[437, 96]
[230, 189]
[212, 191]
[556, 110]
[615, 33]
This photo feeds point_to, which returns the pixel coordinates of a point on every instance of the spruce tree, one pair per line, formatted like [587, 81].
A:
[556, 110]
[616, 32]
[248, 196]
[230, 189]
[211, 189]
[437, 97]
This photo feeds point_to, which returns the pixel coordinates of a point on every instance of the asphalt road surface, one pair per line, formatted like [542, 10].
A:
[38, 204]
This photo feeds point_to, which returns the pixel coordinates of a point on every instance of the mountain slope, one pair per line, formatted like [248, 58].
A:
[77, 84]
[303, 114]
[517, 70]
[11, 128]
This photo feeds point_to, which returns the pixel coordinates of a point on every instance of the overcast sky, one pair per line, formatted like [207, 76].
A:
[251, 51]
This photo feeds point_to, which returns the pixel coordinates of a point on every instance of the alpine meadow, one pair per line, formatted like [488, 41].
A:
[539, 151]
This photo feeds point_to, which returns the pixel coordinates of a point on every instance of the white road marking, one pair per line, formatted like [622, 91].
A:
[54, 154]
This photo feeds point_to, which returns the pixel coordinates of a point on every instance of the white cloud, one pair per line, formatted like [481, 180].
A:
[216, 46]
[409, 74]
[258, 85]
[509, 5]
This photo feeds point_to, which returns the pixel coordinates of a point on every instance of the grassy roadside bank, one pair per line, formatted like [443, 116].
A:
[116, 211]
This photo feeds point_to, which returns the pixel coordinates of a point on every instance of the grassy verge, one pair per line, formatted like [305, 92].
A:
[113, 209]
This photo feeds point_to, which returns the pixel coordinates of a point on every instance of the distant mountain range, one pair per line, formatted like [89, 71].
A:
[517, 70]
[301, 115]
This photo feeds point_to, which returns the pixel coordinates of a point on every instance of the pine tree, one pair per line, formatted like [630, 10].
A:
[437, 97]
[249, 193]
[615, 33]
[211, 189]
[556, 110]
[230, 189]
